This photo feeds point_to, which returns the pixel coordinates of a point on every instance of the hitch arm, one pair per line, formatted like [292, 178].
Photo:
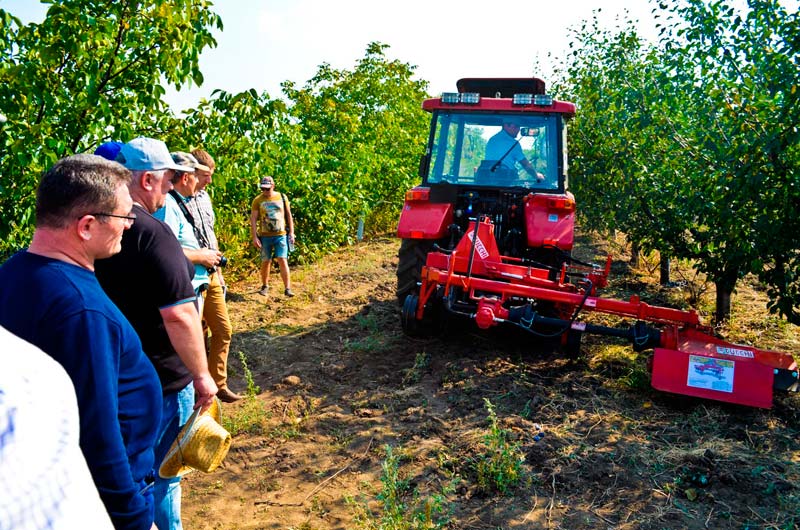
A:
[640, 335]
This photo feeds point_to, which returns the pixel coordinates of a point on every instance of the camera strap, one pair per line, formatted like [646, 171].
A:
[201, 238]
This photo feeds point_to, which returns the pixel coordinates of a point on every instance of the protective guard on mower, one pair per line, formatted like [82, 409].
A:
[485, 241]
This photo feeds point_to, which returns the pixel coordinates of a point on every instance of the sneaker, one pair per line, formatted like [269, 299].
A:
[288, 292]
[264, 290]
[227, 396]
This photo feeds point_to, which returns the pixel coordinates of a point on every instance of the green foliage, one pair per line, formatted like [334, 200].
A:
[242, 132]
[88, 69]
[343, 148]
[691, 146]
[250, 416]
[371, 132]
[401, 506]
[498, 467]
[421, 363]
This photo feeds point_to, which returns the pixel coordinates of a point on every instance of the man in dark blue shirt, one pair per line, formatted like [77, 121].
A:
[51, 298]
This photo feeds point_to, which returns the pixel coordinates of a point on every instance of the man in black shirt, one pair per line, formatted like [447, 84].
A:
[150, 281]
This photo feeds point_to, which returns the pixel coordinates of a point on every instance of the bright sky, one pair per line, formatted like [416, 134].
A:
[266, 42]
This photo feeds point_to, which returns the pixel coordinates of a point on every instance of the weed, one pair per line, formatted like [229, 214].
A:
[637, 377]
[401, 506]
[499, 466]
[369, 322]
[370, 343]
[414, 374]
[250, 416]
[526, 410]
[252, 388]
[286, 431]
[341, 438]
[317, 507]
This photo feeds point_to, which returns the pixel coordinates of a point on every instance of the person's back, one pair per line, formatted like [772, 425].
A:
[150, 280]
[44, 480]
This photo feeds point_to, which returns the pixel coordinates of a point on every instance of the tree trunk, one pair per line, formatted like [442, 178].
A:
[723, 310]
[664, 278]
[635, 255]
[725, 286]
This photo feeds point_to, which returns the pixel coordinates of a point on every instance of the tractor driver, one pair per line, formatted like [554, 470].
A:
[505, 149]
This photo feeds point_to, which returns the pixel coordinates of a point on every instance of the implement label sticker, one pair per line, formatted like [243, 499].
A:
[479, 246]
[710, 373]
[735, 352]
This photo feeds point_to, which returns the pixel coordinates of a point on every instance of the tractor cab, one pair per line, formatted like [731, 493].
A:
[496, 149]
[463, 152]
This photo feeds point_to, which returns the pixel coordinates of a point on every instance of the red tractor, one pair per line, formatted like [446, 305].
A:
[488, 235]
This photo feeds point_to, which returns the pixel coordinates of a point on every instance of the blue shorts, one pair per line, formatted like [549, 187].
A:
[273, 247]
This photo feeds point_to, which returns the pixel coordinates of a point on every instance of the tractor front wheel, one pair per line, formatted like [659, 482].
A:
[412, 256]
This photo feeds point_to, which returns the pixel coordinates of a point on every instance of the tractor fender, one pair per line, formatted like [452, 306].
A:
[550, 220]
[424, 220]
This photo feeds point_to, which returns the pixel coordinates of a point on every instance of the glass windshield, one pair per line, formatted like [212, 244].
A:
[500, 150]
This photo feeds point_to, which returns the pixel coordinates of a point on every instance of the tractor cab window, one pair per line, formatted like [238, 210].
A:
[494, 150]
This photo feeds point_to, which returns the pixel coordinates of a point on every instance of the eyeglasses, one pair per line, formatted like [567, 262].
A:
[130, 218]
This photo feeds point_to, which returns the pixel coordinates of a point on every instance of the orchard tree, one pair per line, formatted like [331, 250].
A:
[371, 129]
[730, 83]
[89, 72]
[692, 147]
[244, 133]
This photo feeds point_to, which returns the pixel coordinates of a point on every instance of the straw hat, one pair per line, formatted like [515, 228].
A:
[202, 444]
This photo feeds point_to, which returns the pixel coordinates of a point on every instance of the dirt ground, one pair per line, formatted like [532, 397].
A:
[334, 382]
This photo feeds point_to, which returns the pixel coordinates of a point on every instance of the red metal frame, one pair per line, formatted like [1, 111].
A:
[421, 219]
[685, 344]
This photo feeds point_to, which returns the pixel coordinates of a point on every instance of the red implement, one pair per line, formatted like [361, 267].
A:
[476, 281]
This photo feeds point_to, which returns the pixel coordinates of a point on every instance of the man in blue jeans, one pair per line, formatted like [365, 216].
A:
[150, 281]
[272, 228]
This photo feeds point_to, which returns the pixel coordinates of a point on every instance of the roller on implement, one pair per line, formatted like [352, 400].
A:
[483, 241]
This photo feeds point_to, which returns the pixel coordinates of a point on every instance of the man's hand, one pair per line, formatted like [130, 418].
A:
[209, 258]
[257, 242]
[204, 390]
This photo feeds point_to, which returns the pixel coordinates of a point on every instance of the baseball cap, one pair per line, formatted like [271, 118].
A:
[267, 182]
[187, 159]
[148, 154]
[108, 150]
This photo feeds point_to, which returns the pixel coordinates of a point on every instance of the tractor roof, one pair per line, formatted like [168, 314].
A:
[497, 87]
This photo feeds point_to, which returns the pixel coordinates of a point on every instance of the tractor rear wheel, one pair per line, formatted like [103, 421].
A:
[412, 256]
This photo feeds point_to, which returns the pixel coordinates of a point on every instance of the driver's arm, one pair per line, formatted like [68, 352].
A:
[531, 170]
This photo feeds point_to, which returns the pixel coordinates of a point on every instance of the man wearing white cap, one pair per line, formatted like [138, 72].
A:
[150, 281]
